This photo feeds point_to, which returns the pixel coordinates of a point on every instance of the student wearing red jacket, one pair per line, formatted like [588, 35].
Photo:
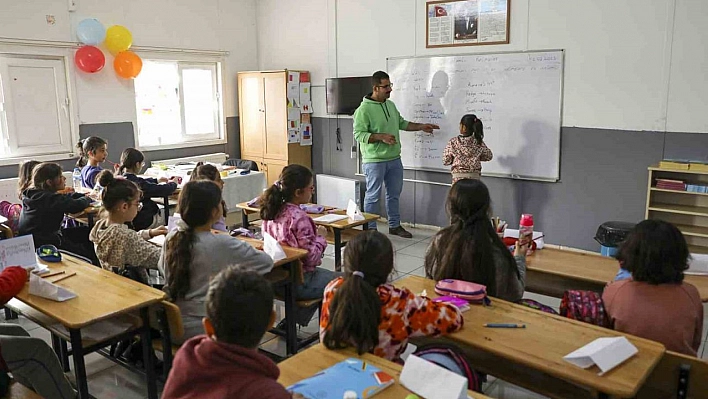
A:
[30, 360]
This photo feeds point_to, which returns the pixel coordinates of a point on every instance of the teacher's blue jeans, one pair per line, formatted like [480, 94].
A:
[377, 174]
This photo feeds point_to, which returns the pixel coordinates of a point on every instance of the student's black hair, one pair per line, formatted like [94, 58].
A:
[292, 178]
[87, 145]
[116, 190]
[128, 158]
[465, 249]
[379, 76]
[196, 204]
[207, 171]
[355, 310]
[43, 172]
[655, 252]
[474, 127]
[239, 304]
[24, 176]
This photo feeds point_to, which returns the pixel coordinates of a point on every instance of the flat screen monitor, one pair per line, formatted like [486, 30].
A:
[344, 94]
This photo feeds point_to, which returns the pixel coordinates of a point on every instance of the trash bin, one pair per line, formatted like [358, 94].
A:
[611, 234]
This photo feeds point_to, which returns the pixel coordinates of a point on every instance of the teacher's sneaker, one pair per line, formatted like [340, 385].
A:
[399, 231]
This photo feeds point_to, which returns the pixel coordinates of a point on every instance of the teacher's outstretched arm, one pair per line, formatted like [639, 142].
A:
[426, 127]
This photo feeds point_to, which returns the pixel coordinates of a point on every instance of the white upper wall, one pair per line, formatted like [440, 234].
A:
[629, 65]
[227, 25]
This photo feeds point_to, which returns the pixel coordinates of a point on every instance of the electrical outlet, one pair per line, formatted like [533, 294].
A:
[73, 4]
[354, 152]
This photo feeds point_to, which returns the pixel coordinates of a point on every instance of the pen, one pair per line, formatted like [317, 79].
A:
[64, 277]
[504, 325]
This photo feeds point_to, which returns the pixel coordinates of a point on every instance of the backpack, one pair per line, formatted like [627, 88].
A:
[12, 213]
[536, 305]
[472, 292]
[584, 306]
[455, 355]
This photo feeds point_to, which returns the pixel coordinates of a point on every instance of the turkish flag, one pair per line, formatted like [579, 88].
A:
[440, 11]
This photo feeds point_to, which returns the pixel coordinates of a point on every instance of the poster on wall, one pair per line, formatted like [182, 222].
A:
[466, 23]
[305, 134]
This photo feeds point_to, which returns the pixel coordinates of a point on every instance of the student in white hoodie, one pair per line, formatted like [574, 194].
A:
[117, 245]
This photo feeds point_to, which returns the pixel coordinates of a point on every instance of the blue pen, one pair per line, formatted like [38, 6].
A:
[504, 325]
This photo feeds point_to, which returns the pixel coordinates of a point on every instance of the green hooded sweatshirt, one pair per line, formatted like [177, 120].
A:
[375, 117]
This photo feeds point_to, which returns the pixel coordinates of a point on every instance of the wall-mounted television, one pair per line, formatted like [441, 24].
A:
[344, 94]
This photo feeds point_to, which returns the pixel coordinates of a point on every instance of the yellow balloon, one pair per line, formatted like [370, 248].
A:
[118, 38]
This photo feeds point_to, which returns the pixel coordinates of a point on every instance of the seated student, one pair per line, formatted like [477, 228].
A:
[93, 151]
[209, 172]
[469, 249]
[655, 303]
[116, 245]
[225, 363]
[30, 360]
[363, 310]
[24, 181]
[192, 253]
[43, 210]
[286, 222]
[131, 163]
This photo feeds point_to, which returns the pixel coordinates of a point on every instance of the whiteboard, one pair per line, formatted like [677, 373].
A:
[516, 95]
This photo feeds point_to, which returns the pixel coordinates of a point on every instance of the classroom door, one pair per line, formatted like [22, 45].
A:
[276, 118]
[252, 113]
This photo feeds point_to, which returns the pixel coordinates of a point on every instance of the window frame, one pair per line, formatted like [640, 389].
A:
[189, 61]
[71, 131]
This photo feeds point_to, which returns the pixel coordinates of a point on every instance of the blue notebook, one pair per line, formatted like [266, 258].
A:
[348, 375]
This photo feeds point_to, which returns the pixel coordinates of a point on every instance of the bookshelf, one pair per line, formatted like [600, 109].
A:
[688, 211]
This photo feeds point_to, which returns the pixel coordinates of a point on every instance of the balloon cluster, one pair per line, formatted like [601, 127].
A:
[117, 40]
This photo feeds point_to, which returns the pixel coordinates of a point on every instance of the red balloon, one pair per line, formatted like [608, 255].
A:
[89, 59]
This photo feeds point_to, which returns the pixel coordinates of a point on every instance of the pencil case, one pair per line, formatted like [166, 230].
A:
[312, 208]
[472, 292]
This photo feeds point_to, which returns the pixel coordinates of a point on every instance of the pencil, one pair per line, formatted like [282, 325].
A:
[504, 325]
[64, 277]
[53, 274]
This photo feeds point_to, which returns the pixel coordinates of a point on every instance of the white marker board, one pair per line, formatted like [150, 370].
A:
[517, 96]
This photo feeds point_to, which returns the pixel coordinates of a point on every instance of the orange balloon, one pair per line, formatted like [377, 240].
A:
[127, 64]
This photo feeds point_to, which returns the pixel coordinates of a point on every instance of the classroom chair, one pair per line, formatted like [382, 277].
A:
[242, 164]
[677, 376]
[167, 319]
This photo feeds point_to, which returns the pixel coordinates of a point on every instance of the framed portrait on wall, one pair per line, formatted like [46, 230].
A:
[466, 23]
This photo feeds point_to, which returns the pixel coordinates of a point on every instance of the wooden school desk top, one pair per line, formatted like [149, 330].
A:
[544, 342]
[340, 224]
[317, 358]
[100, 294]
[591, 268]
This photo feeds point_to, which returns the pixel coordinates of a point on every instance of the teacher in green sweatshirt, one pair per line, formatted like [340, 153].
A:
[376, 127]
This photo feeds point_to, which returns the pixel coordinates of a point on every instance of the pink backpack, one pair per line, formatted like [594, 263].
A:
[472, 292]
[584, 306]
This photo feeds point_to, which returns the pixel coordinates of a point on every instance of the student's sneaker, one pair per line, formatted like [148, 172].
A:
[399, 231]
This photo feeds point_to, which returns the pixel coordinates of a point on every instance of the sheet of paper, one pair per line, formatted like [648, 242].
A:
[272, 247]
[293, 89]
[330, 218]
[18, 251]
[158, 240]
[40, 287]
[353, 211]
[305, 134]
[294, 118]
[305, 98]
[293, 136]
[172, 222]
[607, 353]
[429, 380]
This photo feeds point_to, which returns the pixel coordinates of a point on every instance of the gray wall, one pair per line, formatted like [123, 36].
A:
[120, 136]
[603, 178]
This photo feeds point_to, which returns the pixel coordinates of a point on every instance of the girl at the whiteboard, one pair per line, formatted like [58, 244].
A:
[467, 151]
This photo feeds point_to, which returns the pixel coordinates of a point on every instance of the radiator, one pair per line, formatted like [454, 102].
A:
[337, 191]
[8, 188]
[217, 158]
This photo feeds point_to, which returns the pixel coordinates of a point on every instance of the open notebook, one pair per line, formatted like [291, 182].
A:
[348, 375]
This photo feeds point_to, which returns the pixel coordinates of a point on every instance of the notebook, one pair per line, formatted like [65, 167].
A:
[348, 375]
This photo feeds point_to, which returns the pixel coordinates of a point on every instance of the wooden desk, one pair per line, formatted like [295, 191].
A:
[87, 216]
[317, 358]
[553, 271]
[543, 343]
[337, 228]
[101, 295]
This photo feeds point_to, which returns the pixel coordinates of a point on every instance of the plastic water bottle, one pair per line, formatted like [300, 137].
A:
[526, 230]
[76, 179]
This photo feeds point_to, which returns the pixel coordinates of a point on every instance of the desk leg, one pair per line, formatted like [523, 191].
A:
[166, 202]
[244, 219]
[77, 352]
[337, 250]
[147, 354]
[290, 308]
[90, 220]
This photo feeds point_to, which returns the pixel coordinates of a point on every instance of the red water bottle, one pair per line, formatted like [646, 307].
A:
[526, 231]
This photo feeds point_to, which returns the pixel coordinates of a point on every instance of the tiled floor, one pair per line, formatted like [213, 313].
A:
[108, 380]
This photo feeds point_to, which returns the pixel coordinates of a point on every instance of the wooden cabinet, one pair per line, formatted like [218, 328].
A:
[263, 115]
[686, 210]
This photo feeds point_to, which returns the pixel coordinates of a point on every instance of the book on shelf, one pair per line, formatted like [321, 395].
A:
[674, 164]
[667, 184]
[348, 375]
[698, 166]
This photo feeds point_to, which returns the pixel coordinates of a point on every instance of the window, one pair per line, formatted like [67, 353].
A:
[178, 103]
[35, 109]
